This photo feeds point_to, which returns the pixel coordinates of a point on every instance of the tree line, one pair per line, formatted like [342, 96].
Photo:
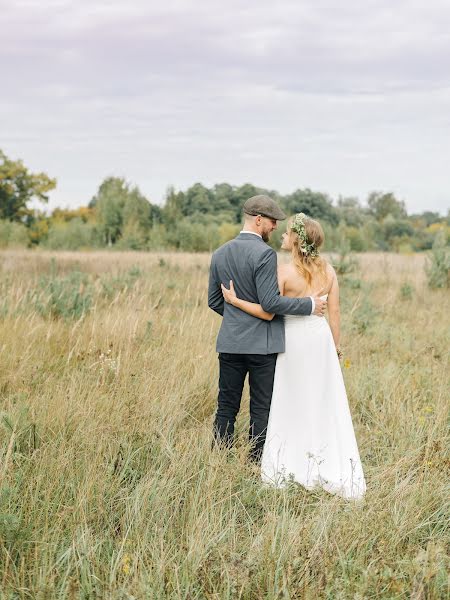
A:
[199, 218]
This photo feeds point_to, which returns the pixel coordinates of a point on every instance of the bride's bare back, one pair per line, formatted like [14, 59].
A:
[293, 285]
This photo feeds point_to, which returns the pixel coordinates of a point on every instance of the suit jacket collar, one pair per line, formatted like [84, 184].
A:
[250, 236]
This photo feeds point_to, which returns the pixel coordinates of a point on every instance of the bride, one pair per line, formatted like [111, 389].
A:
[310, 437]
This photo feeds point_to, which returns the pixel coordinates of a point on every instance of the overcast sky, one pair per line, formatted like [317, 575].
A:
[342, 97]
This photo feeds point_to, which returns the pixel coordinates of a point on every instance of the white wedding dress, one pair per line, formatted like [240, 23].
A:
[310, 437]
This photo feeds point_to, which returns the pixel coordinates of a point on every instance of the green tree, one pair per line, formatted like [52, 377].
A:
[18, 187]
[137, 210]
[383, 204]
[122, 211]
[109, 202]
[314, 204]
[198, 198]
[173, 208]
[396, 228]
[356, 239]
[350, 211]
[430, 217]
[225, 203]
[223, 196]
[67, 214]
[222, 203]
[38, 224]
[138, 217]
[243, 193]
[13, 235]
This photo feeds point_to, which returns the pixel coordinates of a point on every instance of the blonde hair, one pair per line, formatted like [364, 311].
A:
[309, 267]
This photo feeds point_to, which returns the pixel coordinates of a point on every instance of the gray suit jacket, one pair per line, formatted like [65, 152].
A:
[252, 265]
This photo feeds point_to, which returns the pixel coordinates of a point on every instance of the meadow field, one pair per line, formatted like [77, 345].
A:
[108, 485]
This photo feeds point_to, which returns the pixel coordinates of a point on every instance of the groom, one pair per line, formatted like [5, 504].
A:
[245, 343]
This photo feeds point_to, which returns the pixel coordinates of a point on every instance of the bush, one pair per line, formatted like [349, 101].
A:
[194, 237]
[332, 237]
[158, 238]
[113, 285]
[13, 235]
[345, 262]
[364, 317]
[228, 231]
[406, 291]
[134, 238]
[69, 297]
[73, 235]
[438, 265]
[356, 239]
[405, 246]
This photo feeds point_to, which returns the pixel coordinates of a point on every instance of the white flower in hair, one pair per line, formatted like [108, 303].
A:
[298, 226]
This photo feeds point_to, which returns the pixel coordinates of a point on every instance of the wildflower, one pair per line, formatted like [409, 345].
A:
[126, 560]
[108, 363]
[347, 363]
[428, 409]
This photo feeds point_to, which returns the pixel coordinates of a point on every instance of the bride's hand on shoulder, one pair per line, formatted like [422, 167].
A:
[229, 295]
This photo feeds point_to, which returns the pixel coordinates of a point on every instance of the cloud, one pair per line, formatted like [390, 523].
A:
[343, 97]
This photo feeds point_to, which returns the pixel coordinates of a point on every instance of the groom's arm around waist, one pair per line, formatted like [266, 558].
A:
[268, 291]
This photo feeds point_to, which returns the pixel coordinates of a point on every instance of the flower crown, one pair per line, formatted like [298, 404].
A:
[298, 226]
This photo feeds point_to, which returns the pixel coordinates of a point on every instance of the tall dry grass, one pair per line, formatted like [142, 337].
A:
[108, 486]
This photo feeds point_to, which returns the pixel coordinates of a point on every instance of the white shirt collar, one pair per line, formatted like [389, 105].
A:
[254, 233]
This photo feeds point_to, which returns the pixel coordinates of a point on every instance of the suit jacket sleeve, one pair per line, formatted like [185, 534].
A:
[269, 293]
[215, 296]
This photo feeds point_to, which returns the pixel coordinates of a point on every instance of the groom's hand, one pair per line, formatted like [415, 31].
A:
[320, 306]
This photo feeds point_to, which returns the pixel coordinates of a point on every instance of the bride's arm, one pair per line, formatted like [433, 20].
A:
[256, 310]
[334, 315]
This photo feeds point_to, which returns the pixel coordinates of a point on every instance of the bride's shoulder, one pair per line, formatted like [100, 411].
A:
[330, 274]
[287, 271]
[330, 269]
[284, 268]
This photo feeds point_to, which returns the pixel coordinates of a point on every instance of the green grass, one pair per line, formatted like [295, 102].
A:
[108, 486]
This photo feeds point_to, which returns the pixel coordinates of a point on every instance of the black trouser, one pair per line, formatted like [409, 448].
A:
[233, 369]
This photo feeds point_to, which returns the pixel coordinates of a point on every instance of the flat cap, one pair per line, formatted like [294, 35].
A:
[264, 206]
